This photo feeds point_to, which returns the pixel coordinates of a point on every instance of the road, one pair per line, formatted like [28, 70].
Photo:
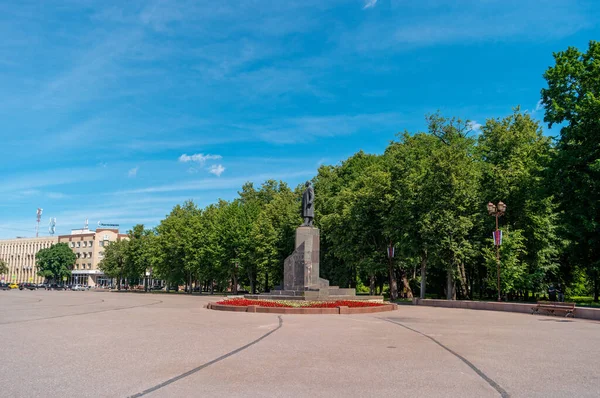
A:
[101, 344]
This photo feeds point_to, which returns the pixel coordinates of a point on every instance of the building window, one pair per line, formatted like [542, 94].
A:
[85, 243]
[78, 244]
[101, 244]
[72, 244]
[89, 265]
[100, 254]
[91, 243]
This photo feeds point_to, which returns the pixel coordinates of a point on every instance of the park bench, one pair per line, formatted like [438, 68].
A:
[552, 307]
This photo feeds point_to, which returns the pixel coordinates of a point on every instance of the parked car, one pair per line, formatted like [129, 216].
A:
[4, 286]
[13, 286]
[30, 286]
[56, 286]
[78, 287]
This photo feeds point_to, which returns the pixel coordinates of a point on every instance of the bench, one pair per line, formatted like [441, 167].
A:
[552, 307]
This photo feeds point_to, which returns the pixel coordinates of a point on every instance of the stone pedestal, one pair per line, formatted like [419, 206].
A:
[301, 274]
[301, 268]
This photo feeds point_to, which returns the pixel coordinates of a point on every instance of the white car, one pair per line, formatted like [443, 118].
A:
[78, 287]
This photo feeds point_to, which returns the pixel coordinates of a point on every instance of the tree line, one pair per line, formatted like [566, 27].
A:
[425, 196]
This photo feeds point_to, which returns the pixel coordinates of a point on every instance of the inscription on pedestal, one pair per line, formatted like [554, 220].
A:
[301, 269]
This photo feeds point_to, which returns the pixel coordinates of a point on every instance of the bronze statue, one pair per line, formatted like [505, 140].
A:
[308, 208]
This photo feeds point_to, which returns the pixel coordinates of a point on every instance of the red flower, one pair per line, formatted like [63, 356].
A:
[242, 302]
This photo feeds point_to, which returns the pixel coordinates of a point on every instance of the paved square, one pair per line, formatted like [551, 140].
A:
[100, 344]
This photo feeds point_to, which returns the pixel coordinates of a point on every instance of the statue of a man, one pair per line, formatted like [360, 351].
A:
[308, 208]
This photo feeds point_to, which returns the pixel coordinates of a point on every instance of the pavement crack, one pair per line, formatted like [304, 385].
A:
[479, 372]
[207, 364]
[81, 313]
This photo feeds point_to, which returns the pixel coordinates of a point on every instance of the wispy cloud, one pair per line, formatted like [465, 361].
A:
[132, 173]
[216, 169]
[369, 4]
[208, 184]
[199, 158]
[539, 106]
[432, 23]
[474, 126]
[308, 128]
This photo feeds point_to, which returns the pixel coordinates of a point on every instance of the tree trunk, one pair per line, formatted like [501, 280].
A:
[234, 287]
[393, 283]
[450, 292]
[252, 282]
[596, 287]
[464, 287]
[406, 286]
[266, 282]
[372, 285]
[212, 287]
[423, 273]
[190, 282]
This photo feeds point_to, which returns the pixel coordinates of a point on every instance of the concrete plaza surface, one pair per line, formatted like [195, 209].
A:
[100, 344]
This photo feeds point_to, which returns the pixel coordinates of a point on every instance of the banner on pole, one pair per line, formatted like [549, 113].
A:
[497, 235]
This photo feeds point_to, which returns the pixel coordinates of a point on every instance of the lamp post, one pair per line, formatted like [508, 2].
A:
[497, 211]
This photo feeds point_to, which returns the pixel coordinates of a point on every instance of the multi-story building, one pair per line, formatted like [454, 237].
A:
[19, 254]
[88, 246]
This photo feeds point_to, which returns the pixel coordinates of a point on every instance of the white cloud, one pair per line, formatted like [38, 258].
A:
[133, 172]
[474, 126]
[539, 106]
[200, 158]
[209, 184]
[369, 4]
[216, 169]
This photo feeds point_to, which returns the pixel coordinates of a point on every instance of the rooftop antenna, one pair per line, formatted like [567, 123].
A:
[39, 217]
[86, 224]
[52, 225]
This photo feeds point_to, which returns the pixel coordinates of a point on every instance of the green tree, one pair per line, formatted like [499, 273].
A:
[410, 162]
[175, 254]
[114, 261]
[3, 267]
[572, 99]
[515, 156]
[55, 262]
[140, 252]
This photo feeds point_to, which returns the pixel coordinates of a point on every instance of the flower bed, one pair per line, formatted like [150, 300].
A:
[242, 302]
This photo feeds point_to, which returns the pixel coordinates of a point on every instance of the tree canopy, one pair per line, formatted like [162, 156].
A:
[55, 262]
[424, 197]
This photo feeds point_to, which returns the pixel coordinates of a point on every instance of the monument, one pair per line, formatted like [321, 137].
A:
[301, 279]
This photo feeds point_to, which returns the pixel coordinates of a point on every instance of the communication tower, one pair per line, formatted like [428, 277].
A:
[39, 217]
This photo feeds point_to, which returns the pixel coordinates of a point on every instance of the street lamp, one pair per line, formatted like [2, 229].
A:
[497, 211]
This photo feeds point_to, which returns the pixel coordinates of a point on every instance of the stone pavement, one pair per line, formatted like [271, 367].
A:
[100, 344]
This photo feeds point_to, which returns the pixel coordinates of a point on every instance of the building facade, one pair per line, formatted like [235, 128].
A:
[88, 246]
[20, 256]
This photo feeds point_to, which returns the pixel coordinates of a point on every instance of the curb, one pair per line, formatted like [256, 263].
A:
[304, 311]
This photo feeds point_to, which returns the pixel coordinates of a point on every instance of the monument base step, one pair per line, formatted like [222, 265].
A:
[311, 296]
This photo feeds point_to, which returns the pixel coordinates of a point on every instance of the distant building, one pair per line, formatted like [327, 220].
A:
[19, 254]
[88, 246]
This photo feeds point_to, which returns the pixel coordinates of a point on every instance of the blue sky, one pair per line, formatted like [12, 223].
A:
[117, 111]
